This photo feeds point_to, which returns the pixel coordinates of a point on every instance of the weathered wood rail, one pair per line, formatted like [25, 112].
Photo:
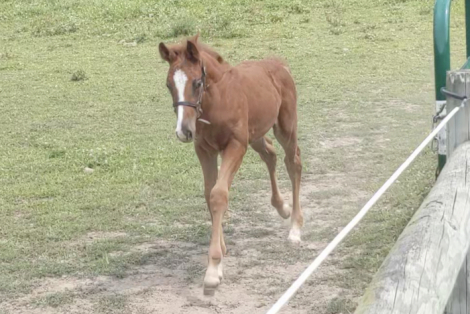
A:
[419, 274]
[426, 271]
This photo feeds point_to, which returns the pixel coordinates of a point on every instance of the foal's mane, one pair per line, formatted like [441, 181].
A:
[211, 52]
[180, 48]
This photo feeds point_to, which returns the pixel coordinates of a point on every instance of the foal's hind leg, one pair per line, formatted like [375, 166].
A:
[267, 153]
[286, 133]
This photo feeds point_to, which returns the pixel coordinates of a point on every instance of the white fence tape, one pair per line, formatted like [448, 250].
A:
[333, 244]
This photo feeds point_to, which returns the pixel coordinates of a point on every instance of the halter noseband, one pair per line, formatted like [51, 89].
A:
[196, 106]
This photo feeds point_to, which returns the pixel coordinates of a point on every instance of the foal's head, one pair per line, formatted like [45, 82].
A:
[185, 81]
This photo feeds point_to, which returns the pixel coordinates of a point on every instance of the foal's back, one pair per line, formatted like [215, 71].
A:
[269, 90]
[275, 69]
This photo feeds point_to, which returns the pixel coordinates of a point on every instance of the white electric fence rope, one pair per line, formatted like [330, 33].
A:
[332, 245]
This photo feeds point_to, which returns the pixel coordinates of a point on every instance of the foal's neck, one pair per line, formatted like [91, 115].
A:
[214, 72]
[214, 69]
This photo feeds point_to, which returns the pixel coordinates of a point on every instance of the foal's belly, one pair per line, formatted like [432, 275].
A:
[261, 118]
[262, 113]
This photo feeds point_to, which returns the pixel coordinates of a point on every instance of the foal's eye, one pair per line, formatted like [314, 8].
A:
[197, 83]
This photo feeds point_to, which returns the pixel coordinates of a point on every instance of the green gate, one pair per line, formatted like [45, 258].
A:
[442, 61]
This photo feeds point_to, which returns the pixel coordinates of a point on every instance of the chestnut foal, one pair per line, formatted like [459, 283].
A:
[224, 109]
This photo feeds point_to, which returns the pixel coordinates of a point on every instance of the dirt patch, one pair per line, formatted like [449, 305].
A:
[95, 236]
[340, 142]
[260, 266]
[100, 235]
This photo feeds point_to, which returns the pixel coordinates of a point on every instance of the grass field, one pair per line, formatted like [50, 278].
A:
[82, 86]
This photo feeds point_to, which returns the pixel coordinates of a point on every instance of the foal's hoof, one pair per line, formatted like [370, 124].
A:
[212, 280]
[209, 288]
[294, 235]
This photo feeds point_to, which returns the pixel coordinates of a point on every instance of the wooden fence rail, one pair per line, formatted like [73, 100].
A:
[426, 271]
[419, 274]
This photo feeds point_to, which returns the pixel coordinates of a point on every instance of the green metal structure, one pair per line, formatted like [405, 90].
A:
[441, 30]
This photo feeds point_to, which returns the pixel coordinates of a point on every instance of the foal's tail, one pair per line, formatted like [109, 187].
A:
[288, 71]
[282, 63]
[283, 79]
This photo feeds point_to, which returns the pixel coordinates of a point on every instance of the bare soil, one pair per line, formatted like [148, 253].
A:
[261, 262]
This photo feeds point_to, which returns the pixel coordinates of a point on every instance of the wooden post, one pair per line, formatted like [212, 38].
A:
[458, 131]
[457, 302]
[419, 274]
[458, 128]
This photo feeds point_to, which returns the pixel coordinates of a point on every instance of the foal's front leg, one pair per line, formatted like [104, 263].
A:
[208, 161]
[232, 158]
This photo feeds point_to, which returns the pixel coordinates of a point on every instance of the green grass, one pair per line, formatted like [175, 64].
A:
[72, 97]
[340, 306]
[54, 299]
[112, 304]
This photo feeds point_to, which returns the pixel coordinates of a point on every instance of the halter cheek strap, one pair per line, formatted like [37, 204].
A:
[196, 106]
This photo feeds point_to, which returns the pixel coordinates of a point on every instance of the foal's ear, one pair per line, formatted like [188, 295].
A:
[165, 53]
[192, 51]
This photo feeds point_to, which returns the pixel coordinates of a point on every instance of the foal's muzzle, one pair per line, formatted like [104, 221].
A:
[184, 135]
[186, 126]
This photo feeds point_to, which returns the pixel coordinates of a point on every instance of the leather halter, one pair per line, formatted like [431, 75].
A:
[196, 106]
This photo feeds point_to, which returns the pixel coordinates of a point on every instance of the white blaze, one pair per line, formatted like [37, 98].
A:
[180, 80]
